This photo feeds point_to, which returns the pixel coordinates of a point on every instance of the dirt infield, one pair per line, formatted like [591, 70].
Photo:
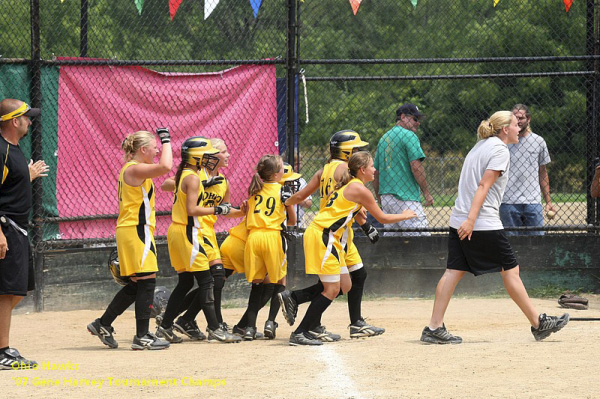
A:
[499, 358]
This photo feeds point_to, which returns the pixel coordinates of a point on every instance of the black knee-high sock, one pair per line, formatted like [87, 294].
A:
[267, 294]
[218, 273]
[274, 309]
[308, 294]
[314, 311]
[143, 305]
[203, 298]
[243, 323]
[122, 300]
[185, 283]
[254, 304]
[187, 301]
[355, 294]
[265, 297]
[317, 321]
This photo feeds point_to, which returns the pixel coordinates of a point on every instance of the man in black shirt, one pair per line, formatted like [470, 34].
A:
[15, 204]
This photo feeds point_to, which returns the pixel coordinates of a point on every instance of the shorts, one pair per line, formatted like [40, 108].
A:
[486, 252]
[16, 269]
[211, 245]
[265, 254]
[391, 204]
[323, 252]
[352, 257]
[137, 251]
[186, 249]
[333, 278]
[232, 254]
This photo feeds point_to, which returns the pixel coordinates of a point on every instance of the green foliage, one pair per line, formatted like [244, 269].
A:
[382, 29]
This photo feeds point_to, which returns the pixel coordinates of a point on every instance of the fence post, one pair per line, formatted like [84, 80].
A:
[35, 89]
[83, 29]
[291, 66]
[592, 109]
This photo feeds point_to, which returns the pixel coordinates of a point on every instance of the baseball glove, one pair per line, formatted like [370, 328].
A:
[572, 301]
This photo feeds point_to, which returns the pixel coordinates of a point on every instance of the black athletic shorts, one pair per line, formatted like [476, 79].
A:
[16, 269]
[486, 252]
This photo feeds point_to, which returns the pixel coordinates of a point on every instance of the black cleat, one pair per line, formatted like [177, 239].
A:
[361, 328]
[271, 329]
[189, 328]
[150, 342]
[11, 359]
[289, 307]
[168, 334]
[105, 333]
[304, 339]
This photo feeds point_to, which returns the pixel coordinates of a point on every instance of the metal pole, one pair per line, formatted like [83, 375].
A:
[291, 73]
[36, 151]
[83, 29]
[591, 109]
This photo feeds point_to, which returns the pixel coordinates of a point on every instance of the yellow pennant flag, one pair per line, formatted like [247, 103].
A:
[496, 2]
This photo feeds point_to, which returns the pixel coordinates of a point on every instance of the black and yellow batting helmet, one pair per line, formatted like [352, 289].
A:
[345, 143]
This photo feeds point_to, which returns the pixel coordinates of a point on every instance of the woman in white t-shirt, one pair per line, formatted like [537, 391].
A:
[477, 243]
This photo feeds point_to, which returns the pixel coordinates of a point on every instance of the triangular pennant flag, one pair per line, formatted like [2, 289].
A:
[173, 6]
[568, 4]
[209, 6]
[414, 3]
[139, 4]
[355, 4]
[255, 6]
[496, 2]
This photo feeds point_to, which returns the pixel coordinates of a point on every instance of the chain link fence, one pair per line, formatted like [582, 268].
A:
[458, 62]
[284, 80]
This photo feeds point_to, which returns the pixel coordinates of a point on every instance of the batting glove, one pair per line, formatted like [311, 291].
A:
[371, 232]
[163, 135]
[223, 209]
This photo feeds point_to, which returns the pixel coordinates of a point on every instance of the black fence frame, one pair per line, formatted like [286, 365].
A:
[293, 66]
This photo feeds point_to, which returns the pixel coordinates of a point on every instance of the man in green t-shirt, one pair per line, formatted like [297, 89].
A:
[400, 176]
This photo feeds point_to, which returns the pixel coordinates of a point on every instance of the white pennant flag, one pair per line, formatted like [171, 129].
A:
[209, 6]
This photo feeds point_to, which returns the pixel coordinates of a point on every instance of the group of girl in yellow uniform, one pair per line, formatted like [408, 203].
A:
[200, 193]
[256, 247]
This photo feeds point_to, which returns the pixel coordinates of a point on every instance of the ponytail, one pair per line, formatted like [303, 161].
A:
[256, 184]
[267, 167]
[178, 174]
[493, 126]
[134, 141]
[357, 161]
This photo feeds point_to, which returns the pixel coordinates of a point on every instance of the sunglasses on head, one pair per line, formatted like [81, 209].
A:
[22, 110]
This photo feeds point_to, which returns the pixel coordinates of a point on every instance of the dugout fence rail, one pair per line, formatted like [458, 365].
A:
[285, 75]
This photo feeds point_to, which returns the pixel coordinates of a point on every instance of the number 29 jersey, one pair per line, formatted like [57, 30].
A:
[265, 209]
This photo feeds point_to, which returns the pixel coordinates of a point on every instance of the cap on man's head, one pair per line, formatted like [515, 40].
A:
[408, 109]
[24, 109]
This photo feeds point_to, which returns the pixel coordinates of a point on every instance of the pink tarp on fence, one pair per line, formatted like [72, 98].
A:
[99, 106]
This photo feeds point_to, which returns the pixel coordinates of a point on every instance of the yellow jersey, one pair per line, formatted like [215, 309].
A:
[179, 214]
[265, 209]
[136, 204]
[328, 182]
[213, 196]
[338, 212]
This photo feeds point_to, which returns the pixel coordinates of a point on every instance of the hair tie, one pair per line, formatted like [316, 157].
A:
[491, 126]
